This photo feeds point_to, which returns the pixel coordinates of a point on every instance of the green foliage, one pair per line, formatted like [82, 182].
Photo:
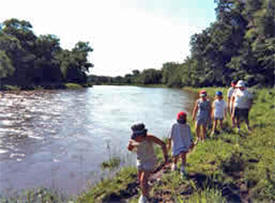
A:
[28, 60]
[6, 67]
[111, 164]
[238, 45]
[72, 86]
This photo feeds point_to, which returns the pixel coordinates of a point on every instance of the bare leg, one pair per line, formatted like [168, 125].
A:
[238, 124]
[247, 125]
[221, 124]
[203, 132]
[144, 183]
[183, 158]
[197, 132]
[175, 160]
[174, 164]
[233, 119]
[214, 127]
[139, 175]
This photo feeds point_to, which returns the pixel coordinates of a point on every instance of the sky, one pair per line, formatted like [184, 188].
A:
[125, 34]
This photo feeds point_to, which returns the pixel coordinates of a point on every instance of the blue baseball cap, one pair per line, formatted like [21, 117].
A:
[219, 93]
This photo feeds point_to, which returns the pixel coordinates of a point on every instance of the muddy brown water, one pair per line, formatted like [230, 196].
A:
[58, 138]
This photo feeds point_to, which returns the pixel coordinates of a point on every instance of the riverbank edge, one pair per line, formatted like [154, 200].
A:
[46, 86]
[123, 186]
[56, 86]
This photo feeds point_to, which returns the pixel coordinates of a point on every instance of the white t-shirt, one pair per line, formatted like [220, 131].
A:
[219, 107]
[242, 99]
[230, 92]
[181, 138]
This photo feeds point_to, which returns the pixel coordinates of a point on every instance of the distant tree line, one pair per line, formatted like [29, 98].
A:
[240, 44]
[147, 76]
[27, 60]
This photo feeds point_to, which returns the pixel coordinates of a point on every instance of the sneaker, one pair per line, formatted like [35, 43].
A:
[212, 134]
[143, 199]
[173, 167]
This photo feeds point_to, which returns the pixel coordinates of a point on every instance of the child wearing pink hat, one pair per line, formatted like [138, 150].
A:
[202, 115]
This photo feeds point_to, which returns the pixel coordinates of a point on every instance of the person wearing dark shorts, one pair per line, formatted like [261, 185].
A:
[241, 114]
[242, 102]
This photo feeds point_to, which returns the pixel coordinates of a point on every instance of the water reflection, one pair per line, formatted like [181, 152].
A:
[58, 138]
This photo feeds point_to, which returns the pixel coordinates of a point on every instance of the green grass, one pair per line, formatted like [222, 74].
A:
[42, 195]
[111, 164]
[121, 186]
[72, 86]
[228, 167]
[11, 88]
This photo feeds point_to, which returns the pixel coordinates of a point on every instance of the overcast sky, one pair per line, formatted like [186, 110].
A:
[125, 34]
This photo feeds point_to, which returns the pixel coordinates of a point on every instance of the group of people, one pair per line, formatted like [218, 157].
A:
[239, 102]
[180, 138]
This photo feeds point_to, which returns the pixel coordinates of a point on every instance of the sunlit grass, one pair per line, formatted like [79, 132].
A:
[72, 86]
[121, 185]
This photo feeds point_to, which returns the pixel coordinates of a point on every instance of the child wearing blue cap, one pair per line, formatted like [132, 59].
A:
[218, 111]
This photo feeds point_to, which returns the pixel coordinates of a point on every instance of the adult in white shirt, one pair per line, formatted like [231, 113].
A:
[242, 103]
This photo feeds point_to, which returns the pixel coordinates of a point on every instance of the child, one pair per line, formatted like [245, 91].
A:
[181, 141]
[201, 112]
[218, 111]
[142, 143]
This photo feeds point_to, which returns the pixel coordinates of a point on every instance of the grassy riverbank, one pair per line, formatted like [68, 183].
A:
[228, 167]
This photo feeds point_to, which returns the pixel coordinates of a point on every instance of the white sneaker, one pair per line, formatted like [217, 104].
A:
[173, 167]
[142, 199]
[212, 133]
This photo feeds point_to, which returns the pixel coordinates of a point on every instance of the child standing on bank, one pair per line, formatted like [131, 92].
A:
[142, 143]
[202, 114]
[218, 111]
[181, 140]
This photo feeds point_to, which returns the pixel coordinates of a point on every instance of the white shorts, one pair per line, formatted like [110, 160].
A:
[146, 166]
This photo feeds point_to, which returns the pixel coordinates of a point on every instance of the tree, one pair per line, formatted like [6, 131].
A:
[39, 60]
[74, 64]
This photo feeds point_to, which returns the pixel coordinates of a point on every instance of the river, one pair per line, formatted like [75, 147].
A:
[58, 138]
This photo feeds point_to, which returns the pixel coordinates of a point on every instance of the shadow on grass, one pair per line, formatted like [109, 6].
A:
[229, 191]
[130, 191]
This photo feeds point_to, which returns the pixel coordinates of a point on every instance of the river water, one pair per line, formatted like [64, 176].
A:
[58, 138]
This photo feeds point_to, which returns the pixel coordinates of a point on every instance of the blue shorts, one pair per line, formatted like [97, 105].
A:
[202, 121]
[179, 151]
